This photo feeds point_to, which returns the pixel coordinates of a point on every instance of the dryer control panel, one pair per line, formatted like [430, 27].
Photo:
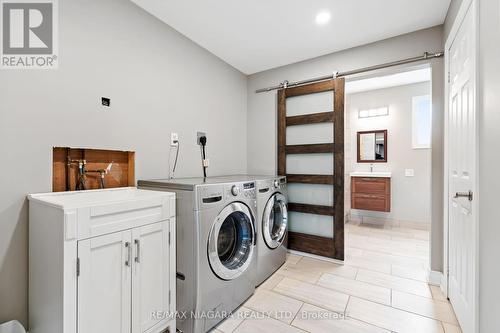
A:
[271, 185]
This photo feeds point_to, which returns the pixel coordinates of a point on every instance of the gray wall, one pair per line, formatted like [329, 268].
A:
[450, 17]
[410, 195]
[489, 158]
[158, 82]
[262, 107]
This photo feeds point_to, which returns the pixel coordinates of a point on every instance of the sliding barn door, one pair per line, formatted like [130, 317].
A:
[311, 155]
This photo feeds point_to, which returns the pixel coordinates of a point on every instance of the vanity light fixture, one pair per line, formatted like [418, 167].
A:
[323, 17]
[383, 111]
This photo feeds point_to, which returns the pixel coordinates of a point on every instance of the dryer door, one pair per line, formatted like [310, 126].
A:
[231, 241]
[275, 221]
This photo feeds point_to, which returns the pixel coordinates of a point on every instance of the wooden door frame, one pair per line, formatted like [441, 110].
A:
[328, 247]
[464, 8]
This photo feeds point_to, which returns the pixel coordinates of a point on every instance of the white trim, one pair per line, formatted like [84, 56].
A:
[464, 7]
[314, 256]
[436, 278]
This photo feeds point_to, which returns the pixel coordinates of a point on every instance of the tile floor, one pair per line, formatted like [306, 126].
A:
[382, 287]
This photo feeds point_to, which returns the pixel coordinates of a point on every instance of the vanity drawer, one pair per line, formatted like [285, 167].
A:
[372, 202]
[370, 185]
[371, 193]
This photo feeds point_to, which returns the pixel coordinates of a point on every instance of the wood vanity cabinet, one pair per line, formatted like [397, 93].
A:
[371, 193]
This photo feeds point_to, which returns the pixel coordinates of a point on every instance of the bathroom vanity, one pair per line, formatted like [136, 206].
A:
[102, 261]
[371, 191]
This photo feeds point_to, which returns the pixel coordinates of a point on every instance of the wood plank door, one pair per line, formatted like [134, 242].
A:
[462, 159]
[329, 246]
[151, 276]
[104, 284]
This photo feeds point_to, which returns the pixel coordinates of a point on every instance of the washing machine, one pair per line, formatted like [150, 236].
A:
[271, 222]
[216, 247]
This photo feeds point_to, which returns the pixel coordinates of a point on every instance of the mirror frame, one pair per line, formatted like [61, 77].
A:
[372, 161]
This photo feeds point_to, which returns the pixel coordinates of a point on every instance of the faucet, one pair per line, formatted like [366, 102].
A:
[371, 167]
[81, 183]
[102, 173]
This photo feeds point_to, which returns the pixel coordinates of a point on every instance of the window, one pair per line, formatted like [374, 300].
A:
[421, 122]
[384, 111]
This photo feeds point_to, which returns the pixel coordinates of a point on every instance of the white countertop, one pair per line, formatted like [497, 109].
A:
[76, 199]
[384, 174]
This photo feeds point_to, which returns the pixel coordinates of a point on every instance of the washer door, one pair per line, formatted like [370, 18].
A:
[231, 241]
[275, 221]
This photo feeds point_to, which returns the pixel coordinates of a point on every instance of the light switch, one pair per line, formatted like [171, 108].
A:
[409, 172]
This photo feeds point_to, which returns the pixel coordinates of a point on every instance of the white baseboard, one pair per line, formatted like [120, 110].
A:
[314, 256]
[436, 278]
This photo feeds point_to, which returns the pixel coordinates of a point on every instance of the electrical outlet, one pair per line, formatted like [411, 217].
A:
[198, 136]
[105, 101]
[174, 139]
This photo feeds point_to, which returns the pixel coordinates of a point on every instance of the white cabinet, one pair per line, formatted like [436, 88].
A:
[105, 283]
[151, 277]
[102, 262]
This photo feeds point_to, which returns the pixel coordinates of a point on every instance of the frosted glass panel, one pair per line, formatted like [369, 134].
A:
[307, 134]
[307, 104]
[310, 224]
[313, 164]
[310, 194]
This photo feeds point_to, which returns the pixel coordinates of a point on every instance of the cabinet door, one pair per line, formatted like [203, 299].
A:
[150, 276]
[104, 284]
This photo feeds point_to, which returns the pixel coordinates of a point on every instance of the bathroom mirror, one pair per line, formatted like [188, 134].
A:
[372, 146]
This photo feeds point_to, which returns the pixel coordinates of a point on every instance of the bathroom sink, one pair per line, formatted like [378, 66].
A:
[371, 174]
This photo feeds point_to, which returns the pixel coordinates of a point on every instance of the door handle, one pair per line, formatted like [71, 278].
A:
[138, 253]
[469, 195]
[129, 253]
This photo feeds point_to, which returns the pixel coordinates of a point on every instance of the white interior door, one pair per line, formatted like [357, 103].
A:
[104, 284]
[462, 174]
[150, 276]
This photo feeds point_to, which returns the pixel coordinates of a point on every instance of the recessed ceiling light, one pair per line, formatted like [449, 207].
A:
[323, 18]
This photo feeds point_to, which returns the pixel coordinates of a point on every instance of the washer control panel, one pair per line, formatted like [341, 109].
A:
[235, 190]
[245, 190]
[220, 194]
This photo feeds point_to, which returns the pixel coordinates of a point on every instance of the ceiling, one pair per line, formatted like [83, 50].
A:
[253, 36]
[388, 81]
